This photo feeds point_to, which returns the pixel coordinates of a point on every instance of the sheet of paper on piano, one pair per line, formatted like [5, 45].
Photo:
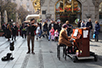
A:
[85, 33]
[76, 32]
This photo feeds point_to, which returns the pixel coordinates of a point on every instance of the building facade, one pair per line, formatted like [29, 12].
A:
[26, 4]
[71, 10]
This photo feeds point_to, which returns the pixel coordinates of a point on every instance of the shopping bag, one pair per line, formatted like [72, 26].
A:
[93, 35]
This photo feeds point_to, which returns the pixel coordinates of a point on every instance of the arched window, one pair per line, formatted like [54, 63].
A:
[68, 6]
[59, 6]
[68, 10]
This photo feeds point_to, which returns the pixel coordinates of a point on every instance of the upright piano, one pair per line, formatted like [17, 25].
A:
[81, 41]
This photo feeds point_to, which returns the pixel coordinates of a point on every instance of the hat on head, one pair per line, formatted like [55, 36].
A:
[83, 20]
[64, 25]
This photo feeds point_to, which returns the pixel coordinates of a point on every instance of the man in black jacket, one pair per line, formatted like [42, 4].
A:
[79, 24]
[14, 31]
[89, 24]
[31, 27]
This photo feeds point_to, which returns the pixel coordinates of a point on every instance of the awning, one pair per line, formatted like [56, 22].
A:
[36, 16]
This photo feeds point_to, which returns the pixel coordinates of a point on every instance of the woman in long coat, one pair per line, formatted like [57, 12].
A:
[8, 32]
[96, 31]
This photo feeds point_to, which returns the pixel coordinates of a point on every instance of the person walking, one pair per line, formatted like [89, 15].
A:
[31, 27]
[45, 29]
[8, 32]
[96, 31]
[89, 24]
[4, 28]
[40, 24]
[37, 31]
[14, 31]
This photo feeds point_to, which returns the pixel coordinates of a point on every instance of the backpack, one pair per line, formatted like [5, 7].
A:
[12, 46]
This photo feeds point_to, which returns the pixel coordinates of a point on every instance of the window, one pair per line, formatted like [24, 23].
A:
[68, 6]
[28, 4]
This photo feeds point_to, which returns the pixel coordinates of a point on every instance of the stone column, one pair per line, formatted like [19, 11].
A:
[16, 17]
[5, 17]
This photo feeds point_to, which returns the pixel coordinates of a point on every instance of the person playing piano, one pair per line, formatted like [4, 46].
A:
[64, 39]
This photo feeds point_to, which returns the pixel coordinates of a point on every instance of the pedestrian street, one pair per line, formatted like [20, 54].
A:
[45, 55]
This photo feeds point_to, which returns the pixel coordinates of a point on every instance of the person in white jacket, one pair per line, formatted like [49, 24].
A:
[37, 31]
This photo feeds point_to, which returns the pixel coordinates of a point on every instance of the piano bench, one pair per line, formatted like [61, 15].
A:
[58, 50]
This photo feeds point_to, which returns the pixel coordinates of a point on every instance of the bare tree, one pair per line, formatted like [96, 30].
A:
[22, 13]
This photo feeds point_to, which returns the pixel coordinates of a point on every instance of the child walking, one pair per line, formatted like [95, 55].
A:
[37, 31]
[52, 33]
[56, 35]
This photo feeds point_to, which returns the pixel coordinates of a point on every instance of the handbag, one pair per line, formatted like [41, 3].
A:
[94, 35]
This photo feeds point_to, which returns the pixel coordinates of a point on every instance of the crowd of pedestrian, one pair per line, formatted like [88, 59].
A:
[10, 31]
[92, 30]
[44, 29]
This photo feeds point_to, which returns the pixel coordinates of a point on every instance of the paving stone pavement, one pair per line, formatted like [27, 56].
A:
[45, 55]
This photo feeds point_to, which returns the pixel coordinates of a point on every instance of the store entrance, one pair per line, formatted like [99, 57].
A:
[68, 10]
[68, 16]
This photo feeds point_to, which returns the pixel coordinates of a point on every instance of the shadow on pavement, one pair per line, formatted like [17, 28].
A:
[95, 45]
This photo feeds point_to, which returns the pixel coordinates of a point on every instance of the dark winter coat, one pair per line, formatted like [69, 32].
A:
[8, 33]
[89, 24]
[50, 26]
[69, 30]
[45, 28]
[97, 28]
[14, 30]
[79, 24]
[30, 30]
[56, 26]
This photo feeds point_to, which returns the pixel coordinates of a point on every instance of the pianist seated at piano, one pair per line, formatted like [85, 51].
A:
[64, 39]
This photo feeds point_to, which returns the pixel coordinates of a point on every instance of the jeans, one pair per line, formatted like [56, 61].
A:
[96, 37]
[14, 37]
[49, 36]
[90, 34]
[40, 33]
